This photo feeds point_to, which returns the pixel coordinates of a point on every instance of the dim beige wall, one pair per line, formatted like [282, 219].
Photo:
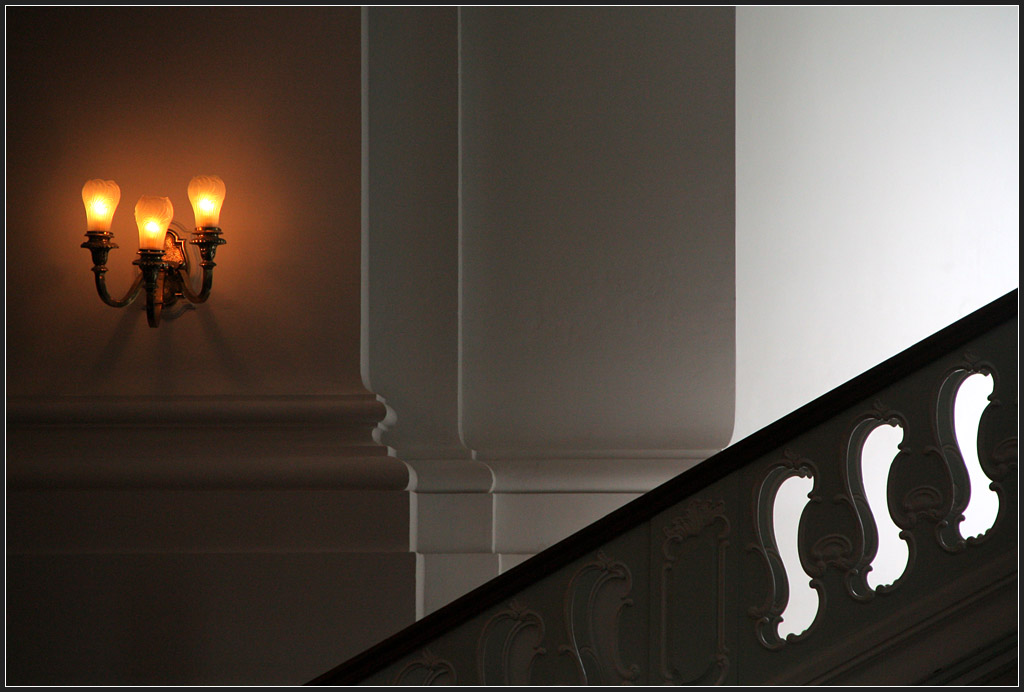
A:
[268, 99]
[200, 503]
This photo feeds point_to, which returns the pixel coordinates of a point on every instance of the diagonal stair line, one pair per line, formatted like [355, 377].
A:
[672, 492]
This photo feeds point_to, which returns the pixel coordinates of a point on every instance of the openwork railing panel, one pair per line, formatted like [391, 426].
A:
[690, 584]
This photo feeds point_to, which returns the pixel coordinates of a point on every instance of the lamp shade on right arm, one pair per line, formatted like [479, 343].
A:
[206, 192]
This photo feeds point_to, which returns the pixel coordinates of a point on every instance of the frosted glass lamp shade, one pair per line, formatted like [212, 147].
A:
[100, 198]
[206, 192]
[153, 215]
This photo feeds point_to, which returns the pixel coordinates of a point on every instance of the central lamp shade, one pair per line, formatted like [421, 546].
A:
[100, 198]
[153, 215]
[206, 192]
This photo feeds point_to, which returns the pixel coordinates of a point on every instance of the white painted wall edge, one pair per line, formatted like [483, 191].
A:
[629, 471]
[449, 476]
[619, 474]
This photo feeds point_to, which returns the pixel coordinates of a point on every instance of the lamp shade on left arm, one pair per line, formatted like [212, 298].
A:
[100, 198]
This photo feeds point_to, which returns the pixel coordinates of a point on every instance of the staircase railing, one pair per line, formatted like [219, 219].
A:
[690, 584]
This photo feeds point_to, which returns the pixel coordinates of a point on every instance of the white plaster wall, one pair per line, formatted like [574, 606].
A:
[877, 171]
[411, 218]
[548, 256]
[596, 229]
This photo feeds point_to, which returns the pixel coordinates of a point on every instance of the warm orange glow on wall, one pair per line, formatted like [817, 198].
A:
[166, 279]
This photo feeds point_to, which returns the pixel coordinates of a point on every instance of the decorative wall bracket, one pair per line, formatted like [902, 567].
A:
[164, 269]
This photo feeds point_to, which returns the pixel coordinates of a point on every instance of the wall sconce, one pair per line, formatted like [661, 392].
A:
[163, 263]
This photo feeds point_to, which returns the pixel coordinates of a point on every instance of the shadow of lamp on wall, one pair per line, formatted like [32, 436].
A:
[165, 272]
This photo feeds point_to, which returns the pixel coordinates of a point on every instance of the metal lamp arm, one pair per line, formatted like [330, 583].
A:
[101, 288]
[204, 293]
[206, 239]
[100, 243]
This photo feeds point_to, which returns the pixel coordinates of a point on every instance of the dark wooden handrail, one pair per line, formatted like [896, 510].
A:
[671, 492]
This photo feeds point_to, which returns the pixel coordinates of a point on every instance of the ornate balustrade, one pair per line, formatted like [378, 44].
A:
[689, 584]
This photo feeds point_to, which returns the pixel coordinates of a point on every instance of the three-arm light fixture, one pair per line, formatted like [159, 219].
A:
[163, 263]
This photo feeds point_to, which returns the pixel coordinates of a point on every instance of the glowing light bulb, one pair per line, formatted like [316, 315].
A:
[100, 198]
[153, 215]
[206, 192]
